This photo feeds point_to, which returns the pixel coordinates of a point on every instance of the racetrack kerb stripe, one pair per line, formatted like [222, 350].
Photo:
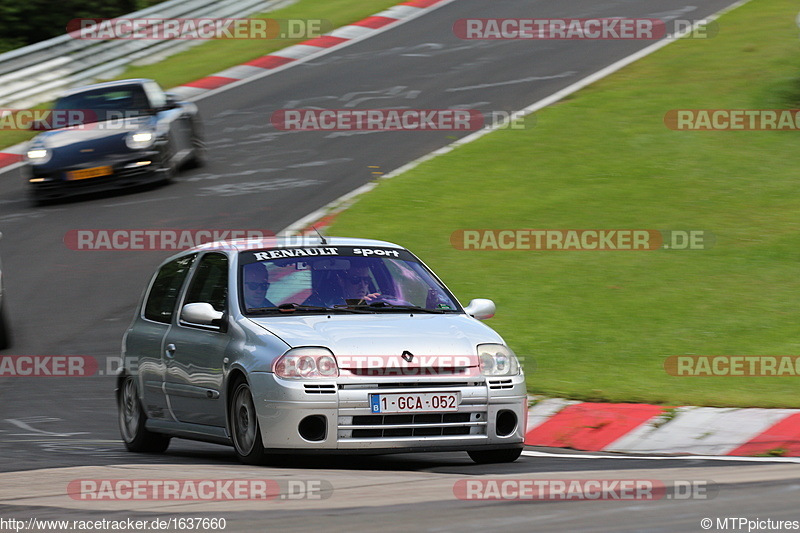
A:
[591, 426]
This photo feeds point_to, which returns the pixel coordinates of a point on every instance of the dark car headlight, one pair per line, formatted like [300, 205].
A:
[139, 140]
[38, 153]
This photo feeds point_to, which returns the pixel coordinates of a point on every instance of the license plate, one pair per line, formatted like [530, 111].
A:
[86, 173]
[422, 402]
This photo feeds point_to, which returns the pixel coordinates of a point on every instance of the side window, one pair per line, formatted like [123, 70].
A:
[210, 282]
[160, 304]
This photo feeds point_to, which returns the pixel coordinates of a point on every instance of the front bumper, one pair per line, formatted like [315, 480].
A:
[45, 183]
[349, 425]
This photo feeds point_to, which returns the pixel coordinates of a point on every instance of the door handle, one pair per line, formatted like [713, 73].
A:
[170, 351]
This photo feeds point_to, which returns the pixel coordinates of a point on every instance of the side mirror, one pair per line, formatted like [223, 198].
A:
[173, 101]
[481, 308]
[200, 313]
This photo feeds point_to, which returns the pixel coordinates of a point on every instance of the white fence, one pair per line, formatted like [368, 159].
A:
[38, 73]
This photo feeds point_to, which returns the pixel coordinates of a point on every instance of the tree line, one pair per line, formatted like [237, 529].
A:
[24, 22]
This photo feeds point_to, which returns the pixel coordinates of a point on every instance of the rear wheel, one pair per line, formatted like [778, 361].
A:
[506, 455]
[132, 421]
[245, 431]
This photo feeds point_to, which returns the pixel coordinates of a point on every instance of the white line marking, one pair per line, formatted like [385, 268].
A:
[22, 425]
[667, 458]
[143, 201]
[566, 74]
[323, 51]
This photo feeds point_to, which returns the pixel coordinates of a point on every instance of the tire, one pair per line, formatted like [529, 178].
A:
[35, 200]
[199, 155]
[132, 421]
[245, 431]
[169, 171]
[505, 455]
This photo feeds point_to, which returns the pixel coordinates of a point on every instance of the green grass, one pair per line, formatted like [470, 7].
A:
[217, 55]
[598, 325]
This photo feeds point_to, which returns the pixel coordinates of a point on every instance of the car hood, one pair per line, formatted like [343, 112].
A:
[383, 334]
[91, 133]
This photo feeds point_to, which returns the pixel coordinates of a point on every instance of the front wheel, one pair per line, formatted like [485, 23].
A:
[199, 156]
[506, 455]
[245, 431]
[132, 421]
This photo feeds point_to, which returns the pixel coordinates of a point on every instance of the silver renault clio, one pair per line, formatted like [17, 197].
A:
[313, 344]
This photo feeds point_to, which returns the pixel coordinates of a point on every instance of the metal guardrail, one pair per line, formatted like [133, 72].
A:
[39, 72]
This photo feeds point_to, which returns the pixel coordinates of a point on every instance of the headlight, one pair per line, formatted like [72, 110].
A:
[497, 360]
[138, 140]
[306, 363]
[38, 153]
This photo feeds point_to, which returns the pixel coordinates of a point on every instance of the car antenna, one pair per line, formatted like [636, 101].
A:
[321, 238]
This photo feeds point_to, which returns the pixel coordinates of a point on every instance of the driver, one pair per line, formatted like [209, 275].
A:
[355, 284]
[255, 286]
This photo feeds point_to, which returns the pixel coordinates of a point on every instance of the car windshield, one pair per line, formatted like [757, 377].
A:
[110, 103]
[341, 279]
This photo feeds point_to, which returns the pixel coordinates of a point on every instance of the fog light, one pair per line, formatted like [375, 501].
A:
[505, 424]
[313, 428]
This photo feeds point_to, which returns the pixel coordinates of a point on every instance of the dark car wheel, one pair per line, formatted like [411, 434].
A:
[199, 156]
[38, 200]
[507, 455]
[245, 431]
[132, 421]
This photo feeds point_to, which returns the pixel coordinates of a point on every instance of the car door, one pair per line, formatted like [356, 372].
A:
[195, 352]
[144, 341]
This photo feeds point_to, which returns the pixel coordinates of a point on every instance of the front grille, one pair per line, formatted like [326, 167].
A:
[324, 388]
[500, 384]
[412, 425]
[409, 385]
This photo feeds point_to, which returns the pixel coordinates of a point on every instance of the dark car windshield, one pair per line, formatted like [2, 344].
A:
[339, 278]
[108, 103]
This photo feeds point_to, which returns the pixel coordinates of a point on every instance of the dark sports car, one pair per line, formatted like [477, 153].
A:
[119, 134]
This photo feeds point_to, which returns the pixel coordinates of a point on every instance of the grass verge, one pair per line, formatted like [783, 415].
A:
[599, 325]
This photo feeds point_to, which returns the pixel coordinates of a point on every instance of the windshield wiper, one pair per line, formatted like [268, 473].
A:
[291, 307]
[388, 306]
